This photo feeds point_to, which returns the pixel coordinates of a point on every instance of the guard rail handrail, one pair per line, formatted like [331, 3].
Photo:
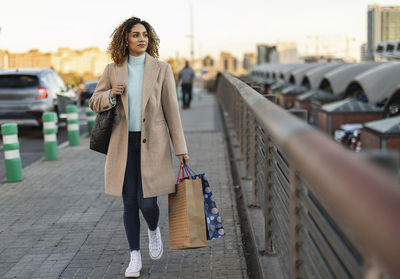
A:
[358, 202]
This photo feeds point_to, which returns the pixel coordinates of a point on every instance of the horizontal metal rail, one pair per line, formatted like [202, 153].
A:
[328, 212]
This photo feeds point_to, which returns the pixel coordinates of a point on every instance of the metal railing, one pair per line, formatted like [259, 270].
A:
[328, 213]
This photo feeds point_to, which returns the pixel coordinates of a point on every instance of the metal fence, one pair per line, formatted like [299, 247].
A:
[328, 213]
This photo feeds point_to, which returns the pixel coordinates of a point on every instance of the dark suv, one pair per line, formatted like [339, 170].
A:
[27, 93]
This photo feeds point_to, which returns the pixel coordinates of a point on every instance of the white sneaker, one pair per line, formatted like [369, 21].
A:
[155, 244]
[135, 264]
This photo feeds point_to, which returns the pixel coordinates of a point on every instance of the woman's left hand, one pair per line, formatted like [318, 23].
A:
[184, 158]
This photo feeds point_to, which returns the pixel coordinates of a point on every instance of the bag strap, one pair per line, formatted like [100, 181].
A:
[179, 174]
[187, 172]
[189, 169]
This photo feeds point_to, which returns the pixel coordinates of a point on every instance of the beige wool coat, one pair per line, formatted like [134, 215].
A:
[160, 122]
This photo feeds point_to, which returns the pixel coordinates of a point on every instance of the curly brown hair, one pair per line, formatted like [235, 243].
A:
[118, 49]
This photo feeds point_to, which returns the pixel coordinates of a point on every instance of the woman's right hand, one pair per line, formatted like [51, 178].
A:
[117, 90]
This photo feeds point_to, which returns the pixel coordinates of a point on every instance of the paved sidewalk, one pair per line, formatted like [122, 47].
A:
[58, 223]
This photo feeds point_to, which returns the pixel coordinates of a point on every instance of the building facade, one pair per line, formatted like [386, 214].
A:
[227, 62]
[383, 25]
[92, 61]
[3, 59]
[31, 59]
[249, 61]
[390, 18]
[65, 60]
[267, 54]
[363, 52]
[287, 52]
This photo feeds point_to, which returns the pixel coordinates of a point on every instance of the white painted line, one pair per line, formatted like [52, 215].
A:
[64, 144]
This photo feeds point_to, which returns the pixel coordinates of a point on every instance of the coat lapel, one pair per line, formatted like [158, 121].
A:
[121, 76]
[151, 70]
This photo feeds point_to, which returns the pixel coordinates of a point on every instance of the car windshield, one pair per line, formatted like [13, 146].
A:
[18, 81]
[60, 83]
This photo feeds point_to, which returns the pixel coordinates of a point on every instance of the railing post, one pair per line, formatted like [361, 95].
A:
[293, 224]
[246, 141]
[233, 115]
[241, 124]
[269, 244]
[254, 198]
[237, 118]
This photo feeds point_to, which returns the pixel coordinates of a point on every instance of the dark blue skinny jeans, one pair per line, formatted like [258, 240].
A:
[132, 196]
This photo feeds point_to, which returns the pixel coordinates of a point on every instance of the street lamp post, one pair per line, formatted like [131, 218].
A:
[348, 40]
[191, 33]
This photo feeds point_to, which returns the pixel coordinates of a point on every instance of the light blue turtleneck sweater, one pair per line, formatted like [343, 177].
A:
[135, 84]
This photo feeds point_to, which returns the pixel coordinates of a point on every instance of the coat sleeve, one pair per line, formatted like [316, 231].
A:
[100, 99]
[171, 112]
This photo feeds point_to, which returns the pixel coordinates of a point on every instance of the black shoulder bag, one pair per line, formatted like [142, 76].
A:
[102, 129]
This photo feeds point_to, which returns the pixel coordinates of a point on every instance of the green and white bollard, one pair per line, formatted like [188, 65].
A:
[90, 117]
[50, 136]
[73, 125]
[12, 157]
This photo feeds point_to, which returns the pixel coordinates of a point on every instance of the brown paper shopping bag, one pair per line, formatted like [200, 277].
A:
[187, 225]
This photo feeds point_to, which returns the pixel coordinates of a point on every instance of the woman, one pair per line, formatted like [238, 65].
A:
[139, 162]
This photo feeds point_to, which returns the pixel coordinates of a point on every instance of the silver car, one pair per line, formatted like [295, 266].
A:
[27, 93]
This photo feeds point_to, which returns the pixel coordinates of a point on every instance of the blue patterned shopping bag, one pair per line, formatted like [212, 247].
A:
[213, 219]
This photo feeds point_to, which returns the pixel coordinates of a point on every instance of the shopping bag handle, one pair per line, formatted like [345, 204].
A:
[189, 170]
[179, 174]
[182, 170]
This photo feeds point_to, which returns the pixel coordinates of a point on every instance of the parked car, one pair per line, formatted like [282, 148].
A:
[87, 91]
[28, 93]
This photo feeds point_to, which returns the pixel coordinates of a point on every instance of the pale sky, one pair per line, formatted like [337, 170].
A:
[231, 25]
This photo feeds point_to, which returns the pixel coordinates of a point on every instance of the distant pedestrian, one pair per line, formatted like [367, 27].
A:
[186, 76]
[139, 163]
